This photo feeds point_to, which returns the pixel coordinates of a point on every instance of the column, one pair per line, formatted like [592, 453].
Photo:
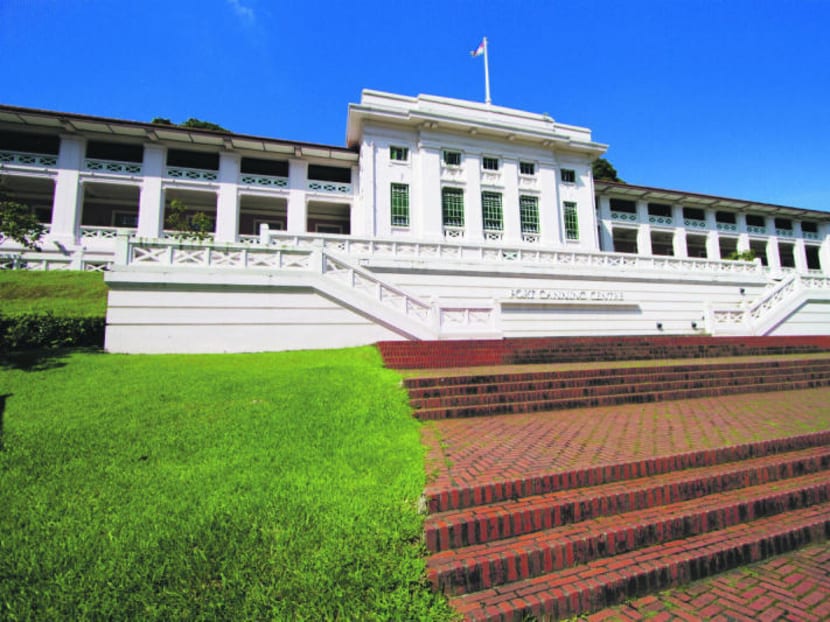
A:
[799, 252]
[712, 237]
[773, 255]
[824, 248]
[151, 201]
[606, 230]
[679, 246]
[510, 202]
[473, 221]
[550, 210]
[363, 219]
[227, 203]
[643, 229]
[426, 220]
[68, 201]
[297, 208]
[743, 235]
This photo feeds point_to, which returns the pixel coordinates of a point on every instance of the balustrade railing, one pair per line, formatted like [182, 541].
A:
[369, 247]
[192, 174]
[268, 181]
[104, 233]
[329, 186]
[624, 216]
[113, 166]
[28, 159]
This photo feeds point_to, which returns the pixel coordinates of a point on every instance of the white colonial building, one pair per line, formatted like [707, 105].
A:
[441, 219]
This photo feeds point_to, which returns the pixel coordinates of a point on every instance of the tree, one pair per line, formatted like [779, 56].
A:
[19, 223]
[604, 170]
[189, 226]
[161, 121]
[198, 124]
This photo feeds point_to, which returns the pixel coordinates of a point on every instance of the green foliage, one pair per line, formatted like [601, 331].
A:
[189, 225]
[161, 121]
[202, 125]
[46, 331]
[747, 255]
[67, 293]
[19, 223]
[604, 170]
[235, 487]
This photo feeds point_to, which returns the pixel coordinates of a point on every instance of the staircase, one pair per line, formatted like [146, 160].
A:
[508, 541]
[536, 391]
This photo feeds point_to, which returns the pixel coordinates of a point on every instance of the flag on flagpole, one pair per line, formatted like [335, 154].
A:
[481, 50]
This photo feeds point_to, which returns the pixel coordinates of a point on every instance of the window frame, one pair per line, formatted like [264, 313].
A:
[530, 165]
[396, 150]
[529, 206]
[489, 163]
[399, 213]
[448, 154]
[492, 211]
[567, 175]
[456, 219]
[570, 218]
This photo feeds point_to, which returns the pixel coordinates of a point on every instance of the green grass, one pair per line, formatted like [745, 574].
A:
[73, 294]
[202, 487]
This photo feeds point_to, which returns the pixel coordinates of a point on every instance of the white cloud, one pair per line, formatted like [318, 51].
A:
[244, 12]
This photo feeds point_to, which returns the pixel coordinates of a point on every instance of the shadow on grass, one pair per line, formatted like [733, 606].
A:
[39, 360]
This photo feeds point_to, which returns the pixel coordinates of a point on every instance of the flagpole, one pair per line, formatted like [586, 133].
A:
[486, 75]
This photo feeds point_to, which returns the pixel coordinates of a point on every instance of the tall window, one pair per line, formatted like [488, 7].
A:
[490, 164]
[398, 154]
[529, 214]
[452, 207]
[400, 205]
[571, 221]
[491, 211]
[568, 175]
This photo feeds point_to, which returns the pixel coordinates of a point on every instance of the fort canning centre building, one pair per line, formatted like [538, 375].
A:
[439, 219]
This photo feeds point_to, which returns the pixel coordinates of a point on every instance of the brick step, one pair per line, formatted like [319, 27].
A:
[507, 519]
[622, 385]
[438, 354]
[484, 566]
[465, 383]
[607, 581]
[615, 399]
[543, 483]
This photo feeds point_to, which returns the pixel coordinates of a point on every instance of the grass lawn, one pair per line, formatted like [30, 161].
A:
[201, 487]
[73, 294]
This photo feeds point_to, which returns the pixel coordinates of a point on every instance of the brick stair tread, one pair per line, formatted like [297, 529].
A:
[527, 555]
[627, 386]
[606, 581]
[507, 518]
[614, 399]
[419, 383]
[542, 482]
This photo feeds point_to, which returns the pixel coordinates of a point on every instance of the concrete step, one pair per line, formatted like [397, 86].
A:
[581, 589]
[507, 519]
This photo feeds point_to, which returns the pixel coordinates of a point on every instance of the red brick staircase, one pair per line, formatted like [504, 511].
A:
[560, 544]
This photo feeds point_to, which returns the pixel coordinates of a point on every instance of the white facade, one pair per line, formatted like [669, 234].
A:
[441, 219]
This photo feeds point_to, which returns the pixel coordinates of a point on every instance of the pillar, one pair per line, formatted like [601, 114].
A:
[297, 208]
[151, 201]
[227, 203]
[68, 199]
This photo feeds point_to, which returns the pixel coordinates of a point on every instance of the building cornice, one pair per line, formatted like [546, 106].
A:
[170, 135]
[695, 199]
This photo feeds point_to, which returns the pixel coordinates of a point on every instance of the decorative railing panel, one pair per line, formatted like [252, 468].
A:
[28, 159]
[726, 226]
[192, 174]
[624, 216]
[104, 233]
[113, 166]
[694, 223]
[660, 220]
[329, 186]
[268, 181]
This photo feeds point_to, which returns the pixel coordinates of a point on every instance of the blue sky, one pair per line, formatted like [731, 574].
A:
[730, 98]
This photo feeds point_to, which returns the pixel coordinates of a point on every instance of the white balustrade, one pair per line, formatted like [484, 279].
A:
[624, 216]
[27, 159]
[268, 181]
[192, 174]
[113, 166]
[329, 186]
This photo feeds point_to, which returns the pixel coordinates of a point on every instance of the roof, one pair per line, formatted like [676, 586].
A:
[695, 199]
[102, 127]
